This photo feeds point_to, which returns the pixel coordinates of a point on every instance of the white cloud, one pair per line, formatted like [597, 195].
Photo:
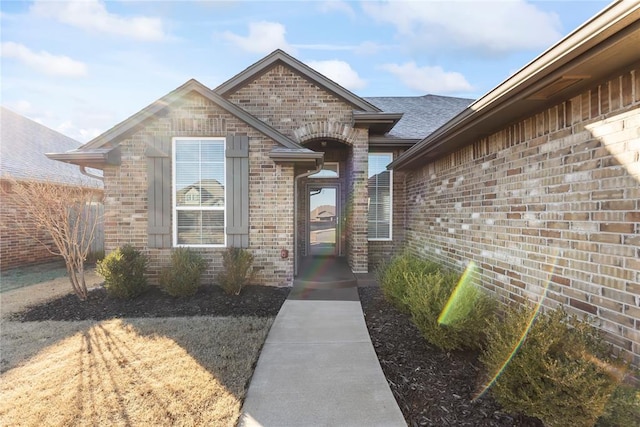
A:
[427, 79]
[340, 72]
[364, 48]
[488, 28]
[92, 15]
[44, 62]
[79, 134]
[264, 37]
[337, 6]
[21, 106]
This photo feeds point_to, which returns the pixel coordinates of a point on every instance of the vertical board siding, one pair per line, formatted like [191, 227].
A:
[159, 192]
[237, 188]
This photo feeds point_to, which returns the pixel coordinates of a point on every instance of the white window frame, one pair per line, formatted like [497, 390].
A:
[337, 167]
[176, 208]
[390, 238]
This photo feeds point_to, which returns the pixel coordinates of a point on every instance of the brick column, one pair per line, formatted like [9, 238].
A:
[357, 205]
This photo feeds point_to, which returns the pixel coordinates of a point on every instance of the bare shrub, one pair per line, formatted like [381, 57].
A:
[62, 212]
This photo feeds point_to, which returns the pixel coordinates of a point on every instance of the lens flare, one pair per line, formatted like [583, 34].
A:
[454, 309]
[525, 332]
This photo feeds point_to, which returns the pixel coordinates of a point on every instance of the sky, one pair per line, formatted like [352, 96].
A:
[81, 67]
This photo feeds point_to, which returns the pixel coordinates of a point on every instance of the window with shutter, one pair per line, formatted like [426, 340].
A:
[380, 196]
[199, 201]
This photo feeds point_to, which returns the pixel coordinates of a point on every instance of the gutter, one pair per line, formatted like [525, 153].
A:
[606, 28]
[84, 171]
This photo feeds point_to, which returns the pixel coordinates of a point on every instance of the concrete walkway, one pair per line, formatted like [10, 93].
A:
[318, 366]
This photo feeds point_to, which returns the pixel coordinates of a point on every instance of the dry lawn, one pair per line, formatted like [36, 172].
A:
[19, 298]
[128, 372]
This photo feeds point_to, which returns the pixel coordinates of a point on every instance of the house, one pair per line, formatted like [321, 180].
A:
[536, 182]
[240, 165]
[23, 144]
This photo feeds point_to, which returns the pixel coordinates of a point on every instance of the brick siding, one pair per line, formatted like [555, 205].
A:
[16, 248]
[299, 109]
[552, 199]
[270, 194]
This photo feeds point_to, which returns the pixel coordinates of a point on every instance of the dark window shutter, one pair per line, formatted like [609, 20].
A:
[237, 192]
[159, 192]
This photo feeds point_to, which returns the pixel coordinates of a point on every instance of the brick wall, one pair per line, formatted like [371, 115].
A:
[286, 101]
[357, 208]
[270, 194]
[551, 199]
[298, 108]
[16, 248]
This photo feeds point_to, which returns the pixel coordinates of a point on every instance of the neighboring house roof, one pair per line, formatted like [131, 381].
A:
[322, 213]
[422, 114]
[99, 151]
[209, 191]
[23, 144]
[607, 42]
[280, 57]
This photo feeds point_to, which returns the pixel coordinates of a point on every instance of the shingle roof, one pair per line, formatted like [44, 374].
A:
[422, 114]
[23, 144]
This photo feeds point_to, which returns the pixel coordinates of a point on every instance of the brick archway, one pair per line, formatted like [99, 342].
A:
[327, 129]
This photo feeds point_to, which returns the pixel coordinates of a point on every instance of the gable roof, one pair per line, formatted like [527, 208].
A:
[103, 149]
[131, 124]
[588, 56]
[280, 57]
[23, 144]
[422, 114]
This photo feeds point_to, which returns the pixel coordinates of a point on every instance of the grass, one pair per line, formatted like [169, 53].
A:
[151, 371]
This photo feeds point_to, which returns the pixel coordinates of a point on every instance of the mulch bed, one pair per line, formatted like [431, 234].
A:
[259, 301]
[432, 387]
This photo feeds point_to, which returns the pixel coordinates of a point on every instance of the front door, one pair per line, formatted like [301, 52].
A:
[323, 222]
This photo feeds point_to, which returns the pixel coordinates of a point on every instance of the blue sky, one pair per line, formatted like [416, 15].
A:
[82, 67]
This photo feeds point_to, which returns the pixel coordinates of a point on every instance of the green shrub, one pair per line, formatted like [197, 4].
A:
[395, 275]
[124, 272]
[237, 270]
[451, 313]
[183, 277]
[623, 408]
[560, 374]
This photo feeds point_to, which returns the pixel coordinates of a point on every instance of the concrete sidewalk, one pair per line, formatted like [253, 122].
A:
[318, 366]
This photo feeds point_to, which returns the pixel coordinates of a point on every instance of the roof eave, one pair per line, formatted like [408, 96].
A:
[378, 123]
[391, 142]
[96, 159]
[298, 157]
[134, 122]
[516, 96]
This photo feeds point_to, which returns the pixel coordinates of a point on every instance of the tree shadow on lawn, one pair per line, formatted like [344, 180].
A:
[159, 371]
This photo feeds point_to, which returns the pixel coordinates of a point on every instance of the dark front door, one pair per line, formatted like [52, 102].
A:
[323, 223]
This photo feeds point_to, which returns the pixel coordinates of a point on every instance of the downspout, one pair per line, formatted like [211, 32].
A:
[295, 213]
[84, 171]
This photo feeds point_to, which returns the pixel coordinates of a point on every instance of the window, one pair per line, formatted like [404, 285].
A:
[380, 196]
[329, 170]
[199, 192]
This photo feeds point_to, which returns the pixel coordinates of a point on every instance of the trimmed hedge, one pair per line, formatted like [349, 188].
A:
[561, 373]
[395, 275]
[237, 270]
[124, 272]
[451, 313]
[183, 277]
